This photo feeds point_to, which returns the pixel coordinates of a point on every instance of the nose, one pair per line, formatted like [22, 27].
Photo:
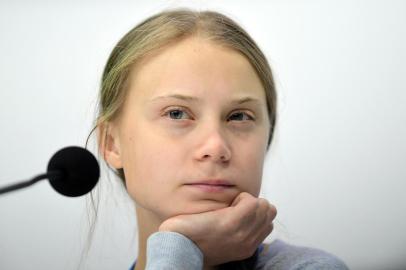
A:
[214, 146]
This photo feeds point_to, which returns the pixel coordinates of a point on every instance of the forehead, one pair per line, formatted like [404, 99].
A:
[196, 67]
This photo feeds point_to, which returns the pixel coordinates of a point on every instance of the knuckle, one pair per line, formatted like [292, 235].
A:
[270, 227]
[254, 202]
[273, 209]
[263, 201]
[240, 236]
[227, 224]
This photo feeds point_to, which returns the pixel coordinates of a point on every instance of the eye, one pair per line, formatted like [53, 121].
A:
[242, 116]
[176, 113]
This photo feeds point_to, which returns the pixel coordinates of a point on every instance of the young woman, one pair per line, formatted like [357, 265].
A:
[187, 115]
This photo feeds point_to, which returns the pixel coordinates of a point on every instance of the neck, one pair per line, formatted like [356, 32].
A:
[148, 223]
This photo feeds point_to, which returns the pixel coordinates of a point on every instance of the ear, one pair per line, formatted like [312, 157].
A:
[109, 145]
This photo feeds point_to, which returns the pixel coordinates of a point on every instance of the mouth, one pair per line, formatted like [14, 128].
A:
[211, 185]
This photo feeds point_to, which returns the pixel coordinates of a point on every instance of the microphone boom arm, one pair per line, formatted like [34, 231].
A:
[53, 174]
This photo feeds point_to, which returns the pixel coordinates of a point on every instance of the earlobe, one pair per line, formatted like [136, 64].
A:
[109, 146]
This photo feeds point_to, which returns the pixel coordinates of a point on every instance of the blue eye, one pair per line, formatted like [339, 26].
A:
[175, 114]
[242, 114]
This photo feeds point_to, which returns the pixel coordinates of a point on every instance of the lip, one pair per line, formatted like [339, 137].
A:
[212, 182]
[212, 185]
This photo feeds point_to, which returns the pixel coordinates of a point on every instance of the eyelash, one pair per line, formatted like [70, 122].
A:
[167, 113]
[250, 118]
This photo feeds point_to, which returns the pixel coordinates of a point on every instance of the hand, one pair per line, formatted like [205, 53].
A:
[228, 234]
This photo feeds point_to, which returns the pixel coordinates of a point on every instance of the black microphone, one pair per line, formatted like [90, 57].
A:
[72, 171]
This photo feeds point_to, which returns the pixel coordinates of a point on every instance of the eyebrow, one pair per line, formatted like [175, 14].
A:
[196, 99]
[178, 96]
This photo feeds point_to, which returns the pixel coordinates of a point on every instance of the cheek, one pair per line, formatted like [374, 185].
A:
[252, 160]
[150, 169]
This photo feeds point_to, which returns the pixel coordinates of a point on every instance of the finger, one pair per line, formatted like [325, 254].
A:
[273, 211]
[255, 240]
[240, 197]
[264, 233]
[244, 212]
[266, 227]
[246, 200]
[263, 216]
[248, 215]
[266, 206]
[268, 224]
[250, 218]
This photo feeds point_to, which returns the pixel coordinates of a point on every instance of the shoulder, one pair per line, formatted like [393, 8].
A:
[280, 255]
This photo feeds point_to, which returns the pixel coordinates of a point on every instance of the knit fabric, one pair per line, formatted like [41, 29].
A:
[174, 251]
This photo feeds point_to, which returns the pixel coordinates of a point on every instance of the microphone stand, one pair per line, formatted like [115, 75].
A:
[51, 174]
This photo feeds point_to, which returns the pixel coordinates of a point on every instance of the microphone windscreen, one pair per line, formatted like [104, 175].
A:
[79, 171]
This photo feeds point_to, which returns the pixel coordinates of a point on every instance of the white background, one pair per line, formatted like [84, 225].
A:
[337, 166]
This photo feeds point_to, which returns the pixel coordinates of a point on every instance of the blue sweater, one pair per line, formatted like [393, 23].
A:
[174, 251]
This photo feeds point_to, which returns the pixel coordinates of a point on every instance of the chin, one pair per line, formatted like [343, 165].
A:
[201, 206]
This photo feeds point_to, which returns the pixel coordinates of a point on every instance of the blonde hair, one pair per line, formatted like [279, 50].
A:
[168, 27]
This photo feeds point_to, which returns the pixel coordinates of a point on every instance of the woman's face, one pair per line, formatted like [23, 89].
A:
[194, 111]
